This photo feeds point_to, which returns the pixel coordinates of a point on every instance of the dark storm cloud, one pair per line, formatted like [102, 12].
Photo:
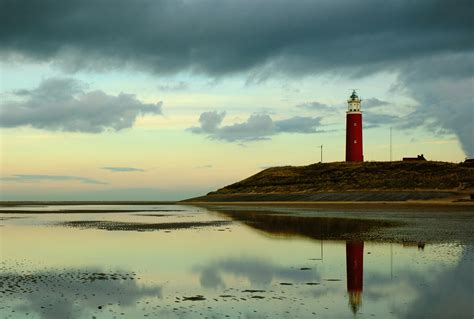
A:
[218, 37]
[256, 127]
[63, 105]
[122, 169]
[427, 42]
[22, 178]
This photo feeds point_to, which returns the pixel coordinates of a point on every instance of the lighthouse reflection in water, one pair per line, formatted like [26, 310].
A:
[355, 273]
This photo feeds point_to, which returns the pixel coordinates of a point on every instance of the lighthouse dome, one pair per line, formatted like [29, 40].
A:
[354, 95]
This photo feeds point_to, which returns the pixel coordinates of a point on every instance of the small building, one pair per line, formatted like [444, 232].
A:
[414, 159]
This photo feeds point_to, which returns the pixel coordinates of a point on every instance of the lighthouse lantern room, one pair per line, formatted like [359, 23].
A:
[354, 150]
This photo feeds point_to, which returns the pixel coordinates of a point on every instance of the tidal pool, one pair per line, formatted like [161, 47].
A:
[176, 261]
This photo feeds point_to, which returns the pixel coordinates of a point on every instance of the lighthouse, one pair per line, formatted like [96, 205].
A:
[354, 149]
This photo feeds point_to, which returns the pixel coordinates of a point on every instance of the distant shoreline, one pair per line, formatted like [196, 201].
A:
[465, 205]
[14, 203]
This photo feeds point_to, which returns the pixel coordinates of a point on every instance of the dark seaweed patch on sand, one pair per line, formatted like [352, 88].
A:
[153, 215]
[124, 226]
[194, 298]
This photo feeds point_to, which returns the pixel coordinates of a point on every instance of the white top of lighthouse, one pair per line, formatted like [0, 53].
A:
[353, 104]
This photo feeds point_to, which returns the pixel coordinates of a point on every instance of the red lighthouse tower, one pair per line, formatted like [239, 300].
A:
[354, 130]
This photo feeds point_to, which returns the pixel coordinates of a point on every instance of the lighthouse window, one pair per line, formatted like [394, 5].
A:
[355, 124]
[355, 141]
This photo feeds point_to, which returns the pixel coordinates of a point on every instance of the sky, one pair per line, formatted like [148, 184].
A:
[170, 99]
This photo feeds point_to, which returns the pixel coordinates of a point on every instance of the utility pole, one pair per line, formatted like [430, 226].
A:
[321, 147]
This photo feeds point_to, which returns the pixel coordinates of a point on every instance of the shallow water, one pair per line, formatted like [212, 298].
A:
[204, 264]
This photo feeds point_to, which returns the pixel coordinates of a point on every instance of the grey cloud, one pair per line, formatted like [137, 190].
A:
[122, 169]
[173, 87]
[374, 119]
[298, 124]
[22, 178]
[62, 104]
[21, 92]
[320, 108]
[209, 122]
[257, 127]
[373, 102]
[443, 89]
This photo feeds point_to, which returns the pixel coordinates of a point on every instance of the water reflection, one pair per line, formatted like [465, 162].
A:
[69, 293]
[450, 294]
[453, 287]
[308, 226]
[355, 273]
[261, 266]
[258, 272]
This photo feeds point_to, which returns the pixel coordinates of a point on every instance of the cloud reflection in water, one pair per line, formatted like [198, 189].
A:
[258, 272]
[70, 293]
